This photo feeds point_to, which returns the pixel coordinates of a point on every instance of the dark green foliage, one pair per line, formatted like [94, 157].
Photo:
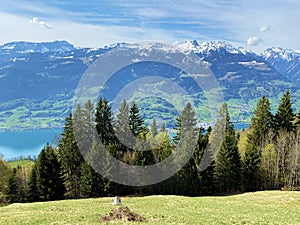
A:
[32, 194]
[206, 176]
[4, 174]
[228, 163]
[104, 122]
[71, 160]
[251, 178]
[186, 140]
[284, 116]
[261, 124]
[91, 182]
[11, 191]
[122, 128]
[48, 175]
[136, 122]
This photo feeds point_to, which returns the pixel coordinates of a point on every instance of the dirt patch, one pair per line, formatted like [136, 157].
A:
[122, 213]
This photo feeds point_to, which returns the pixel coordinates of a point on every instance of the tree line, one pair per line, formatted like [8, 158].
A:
[270, 158]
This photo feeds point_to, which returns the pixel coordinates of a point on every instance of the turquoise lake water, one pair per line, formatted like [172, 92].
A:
[21, 143]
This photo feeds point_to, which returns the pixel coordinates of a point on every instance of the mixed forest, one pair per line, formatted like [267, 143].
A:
[265, 156]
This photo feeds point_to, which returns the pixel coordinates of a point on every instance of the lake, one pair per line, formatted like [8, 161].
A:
[21, 143]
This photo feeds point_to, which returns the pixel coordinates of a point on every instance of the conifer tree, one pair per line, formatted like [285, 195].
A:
[71, 160]
[154, 131]
[4, 173]
[228, 163]
[185, 139]
[11, 191]
[91, 182]
[261, 124]
[284, 116]
[49, 183]
[122, 129]
[163, 128]
[104, 122]
[136, 122]
[32, 194]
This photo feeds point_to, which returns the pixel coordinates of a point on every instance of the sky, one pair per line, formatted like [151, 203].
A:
[253, 24]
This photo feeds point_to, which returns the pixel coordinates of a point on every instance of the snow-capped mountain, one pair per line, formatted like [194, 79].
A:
[37, 80]
[286, 61]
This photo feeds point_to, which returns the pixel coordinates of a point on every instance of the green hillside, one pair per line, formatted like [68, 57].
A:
[268, 207]
[24, 162]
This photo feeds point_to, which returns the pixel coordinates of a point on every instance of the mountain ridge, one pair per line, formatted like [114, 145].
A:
[37, 80]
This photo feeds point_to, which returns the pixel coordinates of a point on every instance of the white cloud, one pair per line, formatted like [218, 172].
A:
[254, 41]
[41, 23]
[265, 27]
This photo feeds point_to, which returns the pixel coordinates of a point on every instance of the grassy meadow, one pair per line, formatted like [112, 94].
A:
[267, 207]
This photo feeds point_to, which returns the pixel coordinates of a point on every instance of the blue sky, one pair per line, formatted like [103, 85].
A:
[255, 24]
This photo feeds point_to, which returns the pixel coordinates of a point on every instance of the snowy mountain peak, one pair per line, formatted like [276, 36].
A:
[208, 46]
[212, 46]
[30, 47]
[281, 53]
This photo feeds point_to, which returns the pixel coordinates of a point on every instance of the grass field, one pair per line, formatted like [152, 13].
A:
[269, 207]
[22, 163]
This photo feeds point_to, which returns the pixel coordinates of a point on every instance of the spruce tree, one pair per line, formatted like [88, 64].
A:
[4, 173]
[136, 122]
[228, 162]
[32, 193]
[296, 121]
[261, 124]
[11, 191]
[206, 176]
[284, 116]
[49, 183]
[71, 160]
[104, 122]
[185, 139]
[154, 131]
[122, 128]
[163, 128]
[91, 182]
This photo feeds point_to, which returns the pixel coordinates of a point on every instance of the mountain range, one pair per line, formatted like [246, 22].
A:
[38, 80]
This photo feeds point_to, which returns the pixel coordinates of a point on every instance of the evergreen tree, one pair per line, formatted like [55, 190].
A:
[261, 123]
[228, 163]
[185, 139]
[296, 121]
[136, 122]
[4, 174]
[154, 131]
[206, 176]
[122, 129]
[284, 116]
[32, 194]
[11, 192]
[71, 160]
[163, 128]
[49, 183]
[91, 182]
[104, 122]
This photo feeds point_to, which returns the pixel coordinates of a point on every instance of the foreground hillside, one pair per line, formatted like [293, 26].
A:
[269, 207]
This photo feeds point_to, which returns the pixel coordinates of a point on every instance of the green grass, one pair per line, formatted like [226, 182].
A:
[268, 207]
[22, 163]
